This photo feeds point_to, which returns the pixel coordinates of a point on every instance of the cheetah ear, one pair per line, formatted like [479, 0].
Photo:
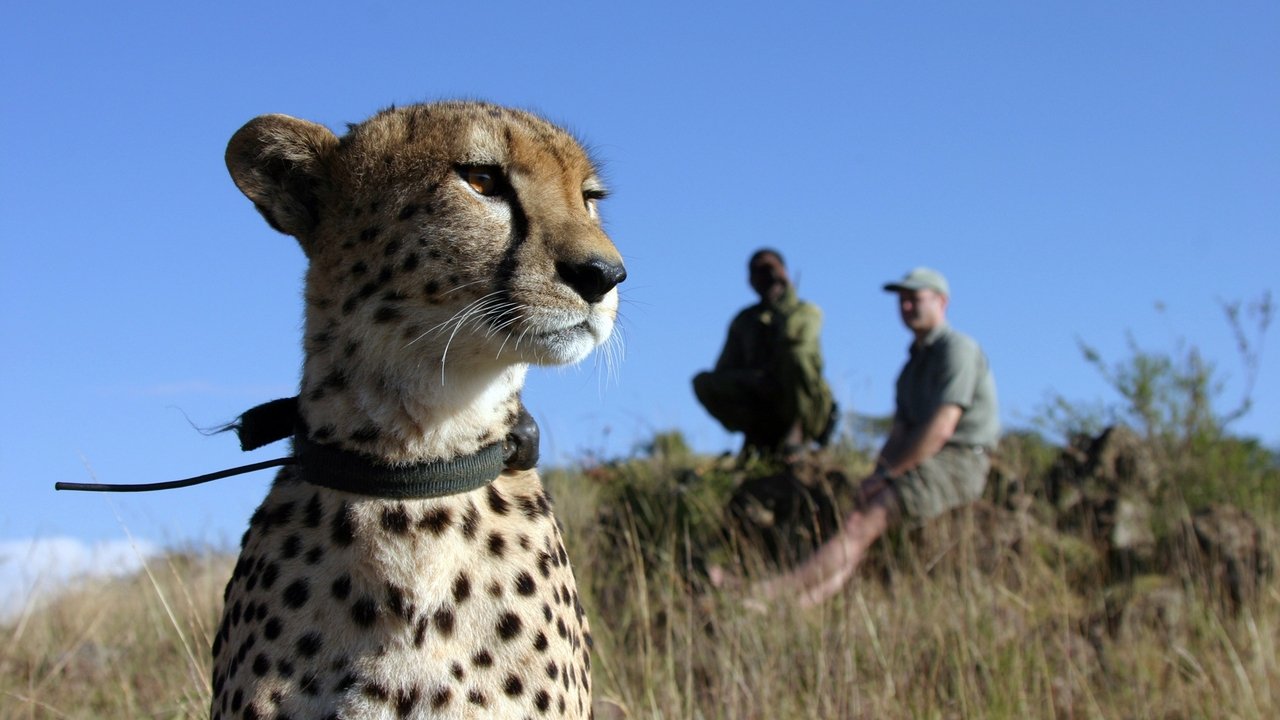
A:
[280, 163]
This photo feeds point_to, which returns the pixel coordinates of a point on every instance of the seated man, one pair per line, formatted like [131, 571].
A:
[936, 457]
[768, 381]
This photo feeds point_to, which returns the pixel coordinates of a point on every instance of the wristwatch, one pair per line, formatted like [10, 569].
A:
[882, 470]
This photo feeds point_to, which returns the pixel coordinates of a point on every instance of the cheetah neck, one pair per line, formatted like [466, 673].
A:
[408, 414]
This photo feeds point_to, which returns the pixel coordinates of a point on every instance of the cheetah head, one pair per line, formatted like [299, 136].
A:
[449, 245]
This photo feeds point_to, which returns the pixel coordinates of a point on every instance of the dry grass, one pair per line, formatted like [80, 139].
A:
[933, 637]
[947, 630]
[123, 648]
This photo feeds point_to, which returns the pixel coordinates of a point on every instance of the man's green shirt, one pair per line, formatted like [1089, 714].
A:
[782, 340]
[949, 367]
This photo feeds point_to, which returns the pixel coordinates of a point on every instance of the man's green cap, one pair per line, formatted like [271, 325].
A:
[921, 278]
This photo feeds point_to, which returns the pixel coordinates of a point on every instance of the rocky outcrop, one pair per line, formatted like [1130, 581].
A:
[789, 513]
[1147, 605]
[1225, 550]
[1092, 518]
[1101, 489]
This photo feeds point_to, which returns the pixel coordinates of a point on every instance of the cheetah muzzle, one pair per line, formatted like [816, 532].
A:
[449, 246]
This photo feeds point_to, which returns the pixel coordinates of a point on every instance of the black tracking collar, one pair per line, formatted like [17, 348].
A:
[332, 467]
[338, 469]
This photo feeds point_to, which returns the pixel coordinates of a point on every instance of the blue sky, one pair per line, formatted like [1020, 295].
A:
[1070, 166]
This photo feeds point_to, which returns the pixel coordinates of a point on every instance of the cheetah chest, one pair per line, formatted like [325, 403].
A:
[343, 606]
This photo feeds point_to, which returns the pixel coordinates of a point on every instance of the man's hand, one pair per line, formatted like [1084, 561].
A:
[871, 488]
[905, 449]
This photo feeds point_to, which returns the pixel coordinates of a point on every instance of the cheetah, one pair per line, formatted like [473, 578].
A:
[410, 565]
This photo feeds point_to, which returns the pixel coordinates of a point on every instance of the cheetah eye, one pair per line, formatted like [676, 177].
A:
[593, 195]
[486, 180]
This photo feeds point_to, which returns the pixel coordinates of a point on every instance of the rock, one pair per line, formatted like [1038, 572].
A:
[1078, 561]
[1101, 488]
[1150, 604]
[1074, 662]
[981, 535]
[1018, 469]
[991, 540]
[1131, 544]
[1225, 549]
[788, 514]
[1116, 462]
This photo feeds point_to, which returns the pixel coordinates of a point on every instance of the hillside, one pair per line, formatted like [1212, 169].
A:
[1093, 581]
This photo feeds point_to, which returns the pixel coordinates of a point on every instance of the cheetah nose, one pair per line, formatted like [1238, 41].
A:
[592, 279]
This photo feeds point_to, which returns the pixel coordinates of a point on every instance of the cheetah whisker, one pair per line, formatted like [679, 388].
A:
[466, 285]
[521, 337]
[498, 314]
[458, 316]
[505, 340]
[502, 324]
[610, 355]
[475, 311]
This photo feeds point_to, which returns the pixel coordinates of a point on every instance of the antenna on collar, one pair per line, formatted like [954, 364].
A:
[171, 484]
[278, 419]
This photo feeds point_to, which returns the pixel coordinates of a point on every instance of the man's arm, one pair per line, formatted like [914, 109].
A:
[804, 326]
[903, 451]
[731, 354]
[893, 444]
